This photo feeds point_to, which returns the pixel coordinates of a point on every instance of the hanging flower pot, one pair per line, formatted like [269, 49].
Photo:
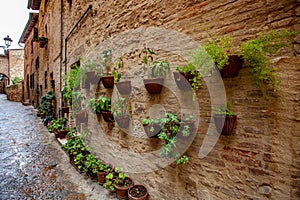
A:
[153, 85]
[123, 121]
[152, 130]
[81, 117]
[92, 77]
[225, 124]
[138, 192]
[122, 189]
[107, 116]
[108, 81]
[124, 87]
[182, 81]
[233, 68]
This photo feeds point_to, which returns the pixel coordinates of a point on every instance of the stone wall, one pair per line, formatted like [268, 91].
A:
[14, 92]
[4, 65]
[16, 63]
[260, 161]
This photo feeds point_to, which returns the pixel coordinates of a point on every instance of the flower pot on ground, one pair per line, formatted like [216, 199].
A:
[124, 87]
[225, 120]
[122, 184]
[107, 116]
[81, 117]
[104, 169]
[138, 192]
[58, 127]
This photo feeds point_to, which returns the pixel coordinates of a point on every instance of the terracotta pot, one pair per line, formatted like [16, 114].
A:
[108, 81]
[233, 68]
[153, 85]
[65, 110]
[61, 134]
[92, 77]
[123, 121]
[85, 84]
[101, 175]
[107, 116]
[182, 82]
[122, 191]
[152, 134]
[42, 43]
[81, 117]
[138, 192]
[124, 87]
[225, 124]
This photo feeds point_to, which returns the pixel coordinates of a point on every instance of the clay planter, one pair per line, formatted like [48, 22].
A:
[122, 190]
[101, 174]
[42, 43]
[123, 121]
[107, 116]
[61, 134]
[92, 77]
[182, 82]
[154, 85]
[65, 110]
[228, 126]
[108, 81]
[124, 87]
[73, 164]
[233, 68]
[157, 129]
[81, 117]
[138, 192]
[85, 84]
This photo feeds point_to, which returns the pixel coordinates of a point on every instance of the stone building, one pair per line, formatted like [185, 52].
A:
[259, 161]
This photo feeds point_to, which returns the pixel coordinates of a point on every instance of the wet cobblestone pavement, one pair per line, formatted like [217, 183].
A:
[32, 163]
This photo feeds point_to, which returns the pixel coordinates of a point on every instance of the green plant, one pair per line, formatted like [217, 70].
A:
[218, 49]
[109, 183]
[159, 68]
[77, 100]
[106, 61]
[71, 82]
[147, 56]
[57, 125]
[16, 80]
[223, 110]
[256, 53]
[119, 64]
[42, 38]
[120, 108]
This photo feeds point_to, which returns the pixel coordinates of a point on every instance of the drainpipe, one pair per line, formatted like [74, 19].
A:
[60, 61]
[70, 33]
[66, 41]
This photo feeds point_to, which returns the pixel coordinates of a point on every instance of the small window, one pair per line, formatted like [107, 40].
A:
[35, 34]
[45, 78]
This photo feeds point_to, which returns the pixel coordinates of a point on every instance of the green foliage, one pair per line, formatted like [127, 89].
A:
[46, 106]
[100, 104]
[121, 107]
[16, 80]
[71, 82]
[147, 56]
[256, 54]
[218, 50]
[159, 68]
[42, 38]
[57, 125]
[224, 110]
[106, 61]
[119, 64]
[182, 159]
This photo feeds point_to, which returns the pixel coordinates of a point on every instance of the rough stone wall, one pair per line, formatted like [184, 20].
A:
[4, 65]
[14, 92]
[261, 160]
[16, 63]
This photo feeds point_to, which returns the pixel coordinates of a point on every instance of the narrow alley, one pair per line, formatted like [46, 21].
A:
[32, 163]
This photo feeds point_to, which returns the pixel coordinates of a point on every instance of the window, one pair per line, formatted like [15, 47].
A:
[37, 63]
[35, 34]
[45, 78]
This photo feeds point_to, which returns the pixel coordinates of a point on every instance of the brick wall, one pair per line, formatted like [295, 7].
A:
[261, 160]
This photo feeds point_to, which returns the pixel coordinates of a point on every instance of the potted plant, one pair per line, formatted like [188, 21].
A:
[42, 41]
[199, 65]
[225, 119]
[256, 53]
[157, 70]
[58, 127]
[152, 127]
[104, 170]
[123, 86]
[138, 192]
[120, 112]
[106, 62]
[92, 166]
[105, 108]
[93, 73]
[218, 49]
[122, 183]
[95, 104]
